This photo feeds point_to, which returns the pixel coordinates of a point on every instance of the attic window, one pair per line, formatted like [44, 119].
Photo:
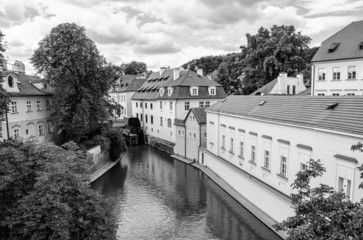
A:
[11, 81]
[333, 47]
[262, 103]
[332, 106]
[361, 46]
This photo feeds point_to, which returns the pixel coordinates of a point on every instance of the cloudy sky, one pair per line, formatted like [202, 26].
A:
[167, 32]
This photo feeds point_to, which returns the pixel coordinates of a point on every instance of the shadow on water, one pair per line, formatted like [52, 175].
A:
[157, 197]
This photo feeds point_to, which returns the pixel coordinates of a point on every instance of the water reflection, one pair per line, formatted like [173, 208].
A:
[156, 197]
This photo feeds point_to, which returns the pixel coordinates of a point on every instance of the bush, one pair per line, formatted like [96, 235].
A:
[117, 145]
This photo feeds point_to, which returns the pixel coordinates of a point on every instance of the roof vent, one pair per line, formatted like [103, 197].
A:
[262, 103]
[332, 106]
[333, 47]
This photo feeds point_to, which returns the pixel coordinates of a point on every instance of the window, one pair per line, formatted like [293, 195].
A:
[267, 159]
[294, 89]
[321, 74]
[303, 166]
[146, 118]
[161, 91]
[170, 91]
[350, 94]
[212, 91]
[50, 127]
[161, 121]
[169, 123]
[335, 94]
[194, 91]
[28, 106]
[16, 132]
[283, 166]
[141, 117]
[336, 73]
[152, 119]
[253, 153]
[241, 149]
[288, 89]
[186, 106]
[352, 74]
[207, 104]
[231, 145]
[223, 141]
[194, 136]
[137, 104]
[345, 186]
[171, 106]
[11, 81]
[14, 108]
[41, 129]
[321, 94]
[39, 105]
[161, 105]
[47, 103]
[145, 105]
[151, 106]
[137, 115]
[201, 104]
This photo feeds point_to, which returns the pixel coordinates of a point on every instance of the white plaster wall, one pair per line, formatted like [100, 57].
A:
[281, 88]
[179, 147]
[165, 132]
[343, 86]
[192, 144]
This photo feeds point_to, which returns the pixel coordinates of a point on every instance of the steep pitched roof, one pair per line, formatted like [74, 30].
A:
[348, 40]
[199, 114]
[266, 89]
[26, 88]
[123, 82]
[190, 78]
[307, 111]
[135, 84]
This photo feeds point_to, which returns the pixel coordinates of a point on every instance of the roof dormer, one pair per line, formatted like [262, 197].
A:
[170, 91]
[212, 91]
[161, 92]
[10, 83]
[194, 91]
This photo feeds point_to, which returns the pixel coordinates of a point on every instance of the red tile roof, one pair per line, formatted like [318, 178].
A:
[307, 111]
[349, 39]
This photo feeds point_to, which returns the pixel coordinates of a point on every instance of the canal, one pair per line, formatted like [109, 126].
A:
[156, 197]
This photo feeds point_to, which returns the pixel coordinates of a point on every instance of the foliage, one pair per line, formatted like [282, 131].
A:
[81, 79]
[4, 99]
[117, 145]
[45, 194]
[229, 72]
[321, 212]
[134, 67]
[270, 52]
[207, 63]
[359, 147]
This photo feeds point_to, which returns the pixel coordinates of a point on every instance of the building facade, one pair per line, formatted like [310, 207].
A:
[283, 85]
[30, 108]
[337, 67]
[258, 144]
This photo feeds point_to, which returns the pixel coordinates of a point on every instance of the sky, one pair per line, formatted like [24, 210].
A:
[167, 32]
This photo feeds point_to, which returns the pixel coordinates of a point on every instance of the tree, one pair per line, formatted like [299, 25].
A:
[45, 194]
[269, 53]
[134, 67]
[321, 212]
[4, 98]
[81, 79]
[207, 63]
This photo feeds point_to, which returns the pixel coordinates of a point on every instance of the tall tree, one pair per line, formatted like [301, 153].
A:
[229, 73]
[4, 99]
[81, 79]
[207, 63]
[269, 52]
[134, 67]
[321, 212]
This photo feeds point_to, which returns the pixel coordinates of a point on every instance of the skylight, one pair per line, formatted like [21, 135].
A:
[262, 103]
[332, 106]
[333, 47]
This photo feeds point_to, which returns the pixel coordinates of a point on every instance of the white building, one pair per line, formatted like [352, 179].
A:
[283, 85]
[337, 67]
[258, 144]
[168, 95]
[124, 89]
[30, 107]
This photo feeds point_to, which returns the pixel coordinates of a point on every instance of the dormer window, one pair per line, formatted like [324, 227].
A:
[194, 91]
[361, 46]
[11, 81]
[333, 47]
[212, 91]
[161, 91]
[170, 91]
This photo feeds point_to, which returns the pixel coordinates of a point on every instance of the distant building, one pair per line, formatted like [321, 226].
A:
[258, 144]
[190, 134]
[337, 67]
[30, 106]
[283, 85]
[124, 89]
[170, 94]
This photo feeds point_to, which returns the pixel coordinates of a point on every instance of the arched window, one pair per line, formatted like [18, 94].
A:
[11, 81]
[41, 128]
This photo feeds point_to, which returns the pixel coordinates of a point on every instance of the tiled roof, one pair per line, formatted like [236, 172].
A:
[266, 89]
[183, 92]
[199, 114]
[190, 78]
[134, 85]
[179, 122]
[307, 111]
[123, 83]
[307, 92]
[26, 88]
[349, 39]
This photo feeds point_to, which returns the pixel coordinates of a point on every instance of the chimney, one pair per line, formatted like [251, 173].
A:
[19, 67]
[300, 78]
[176, 73]
[281, 80]
[200, 71]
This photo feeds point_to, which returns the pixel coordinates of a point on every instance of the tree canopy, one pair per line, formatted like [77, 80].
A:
[44, 194]
[207, 63]
[321, 212]
[4, 99]
[134, 67]
[229, 73]
[81, 78]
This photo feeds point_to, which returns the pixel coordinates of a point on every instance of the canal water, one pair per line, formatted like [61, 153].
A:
[157, 197]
